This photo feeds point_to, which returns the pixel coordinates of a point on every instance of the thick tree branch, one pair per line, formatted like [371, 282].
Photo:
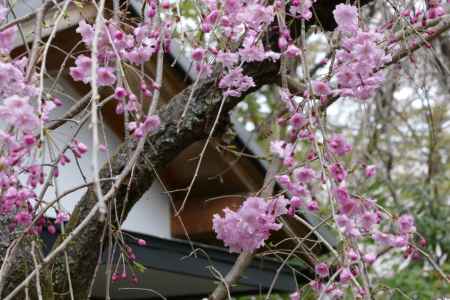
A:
[160, 149]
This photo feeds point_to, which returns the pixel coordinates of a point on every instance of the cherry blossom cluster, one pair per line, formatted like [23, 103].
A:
[20, 119]
[135, 48]
[357, 218]
[234, 21]
[245, 21]
[20, 176]
[127, 264]
[434, 9]
[301, 9]
[249, 227]
[357, 73]
[12, 77]
[20, 172]
[359, 61]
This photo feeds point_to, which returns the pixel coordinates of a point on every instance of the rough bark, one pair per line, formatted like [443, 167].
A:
[22, 263]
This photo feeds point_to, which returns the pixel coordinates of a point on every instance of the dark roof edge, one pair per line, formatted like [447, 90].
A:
[198, 260]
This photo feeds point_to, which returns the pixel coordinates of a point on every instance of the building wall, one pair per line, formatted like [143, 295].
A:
[24, 7]
[151, 215]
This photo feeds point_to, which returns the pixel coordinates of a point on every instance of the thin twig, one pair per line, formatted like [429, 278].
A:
[38, 280]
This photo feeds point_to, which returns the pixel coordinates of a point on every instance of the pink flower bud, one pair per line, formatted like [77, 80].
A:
[120, 93]
[370, 171]
[369, 258]
[57, 102]
[148, 93]
[51, 229]
[282, 43]
[151, 12]
[292, 51]
[29, 140]
[345, 275]
[81, 148]
[312, 206]
[123, 275]
[322, 270]
[294, 296]
[206, 27]
[165, 4]
[352, 255]
[212, 17]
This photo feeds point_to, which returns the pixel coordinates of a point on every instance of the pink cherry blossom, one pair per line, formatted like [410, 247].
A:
[358, 64]
[62, 217]
[105, 76]
[301, 9]
[252, 53]
[322, 270]
[345, 275]
[292, 51]
[312, 206]
[341, 194]
[346, 17]
[140, 55]
[298, 190]
[320, 88]
[295, 204]
[370, 258]
[19, 113]
[23, 218]
[227, 59]
[7, 38]
[249, 227]
[235, 83]
[338, 172]
[399, 241]
[304, 174]
[79, 149]
[120, 93]
[367, 220]
[298, 120]
[338, 145]
[82, 71]
[86, 31]
[406, 224]
[370, 171]
[352, 255]
[382, 238]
